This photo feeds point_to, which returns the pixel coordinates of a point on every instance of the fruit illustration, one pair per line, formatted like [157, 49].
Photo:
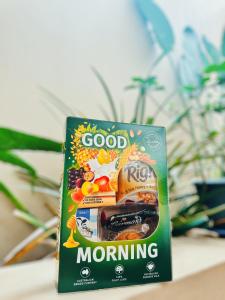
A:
[89, 188]
[71, 224]
[75, 178]
[83, 155]
[88, 176]
[113, 184]
[103, 183]
[79, 182]
[113, 155]
[103, 157]
[73, 175]
[81, 171]
[77, 196]
[71, 208]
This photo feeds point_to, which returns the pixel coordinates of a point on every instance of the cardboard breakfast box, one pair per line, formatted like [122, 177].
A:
[114, 219]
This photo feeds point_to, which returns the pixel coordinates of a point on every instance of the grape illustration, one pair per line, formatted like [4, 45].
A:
[75, 178]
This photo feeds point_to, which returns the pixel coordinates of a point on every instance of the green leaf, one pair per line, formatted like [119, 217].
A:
[213, 53]
[57, 102]
[144, 84]
[196, 157]
[12, 139]
[223, 44]
[153, 15]
[133, 121]
[216, 68]
[193, 59]
[218, 107]
[182, 224]
[188, 73]
[212, 134]
[107, 92]
[104, 112]
[193, 49]
[149, 121]
[189, 88]
[175, 148]
[39, 181]
[215, 210]
[12, 198]
[131, 87]
[150, 81]
[179, 119]
[138, 80]
[204, 79]
[29, 218]
[21, 209]
[13, 159]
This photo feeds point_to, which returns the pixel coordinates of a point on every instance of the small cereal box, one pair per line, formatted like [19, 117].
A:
[114, 207]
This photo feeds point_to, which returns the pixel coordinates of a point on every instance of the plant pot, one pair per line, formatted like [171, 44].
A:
[212, 194]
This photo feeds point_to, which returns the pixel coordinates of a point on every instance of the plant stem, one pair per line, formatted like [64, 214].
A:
[164, 102]
[29, 218]
[189, 118]
[107, 92]
[12, 198]
[143, 104]
[156, 62]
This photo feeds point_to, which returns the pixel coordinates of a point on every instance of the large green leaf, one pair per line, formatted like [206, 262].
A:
[193, 49]
[193, 59]
[12, 139]
[13, 159]
[188, 75]
[22, 210]
[155, 17]
[183, 224]
[12, 198]
[213, 53]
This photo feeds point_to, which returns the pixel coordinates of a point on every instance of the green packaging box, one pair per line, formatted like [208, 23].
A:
[114, 215]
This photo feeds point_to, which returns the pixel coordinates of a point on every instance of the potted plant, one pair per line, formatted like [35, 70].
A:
[202, 75]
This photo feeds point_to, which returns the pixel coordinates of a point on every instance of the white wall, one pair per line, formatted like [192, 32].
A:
[53, 43]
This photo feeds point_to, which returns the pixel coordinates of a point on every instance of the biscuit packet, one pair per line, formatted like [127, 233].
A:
[114, 208]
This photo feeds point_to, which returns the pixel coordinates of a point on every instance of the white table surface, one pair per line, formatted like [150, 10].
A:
[36, 280]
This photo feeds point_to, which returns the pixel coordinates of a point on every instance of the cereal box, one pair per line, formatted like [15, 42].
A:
[114, 215]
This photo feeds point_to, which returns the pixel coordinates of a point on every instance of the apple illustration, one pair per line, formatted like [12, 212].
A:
[103, 183]
[77, 196]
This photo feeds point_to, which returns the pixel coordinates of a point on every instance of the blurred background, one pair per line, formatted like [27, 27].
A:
[152, 62]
